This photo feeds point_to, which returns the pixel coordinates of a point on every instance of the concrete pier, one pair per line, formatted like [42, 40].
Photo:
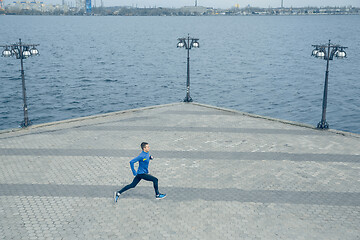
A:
[227, 175]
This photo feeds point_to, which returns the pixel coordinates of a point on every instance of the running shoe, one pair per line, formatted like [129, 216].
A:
[116, 196]
[160, 196]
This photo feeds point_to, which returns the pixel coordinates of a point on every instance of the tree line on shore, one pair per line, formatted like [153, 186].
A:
[185, 11]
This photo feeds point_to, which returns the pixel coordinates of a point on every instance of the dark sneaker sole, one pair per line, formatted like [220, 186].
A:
[115, 199]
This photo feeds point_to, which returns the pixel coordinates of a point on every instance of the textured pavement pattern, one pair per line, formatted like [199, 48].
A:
[227, 175]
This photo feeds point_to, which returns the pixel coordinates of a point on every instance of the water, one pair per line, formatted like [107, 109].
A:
[261, 65]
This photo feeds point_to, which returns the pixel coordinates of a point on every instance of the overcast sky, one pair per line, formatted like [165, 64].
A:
[216, 3]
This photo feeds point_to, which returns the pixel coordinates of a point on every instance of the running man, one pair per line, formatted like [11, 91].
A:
[141, 173]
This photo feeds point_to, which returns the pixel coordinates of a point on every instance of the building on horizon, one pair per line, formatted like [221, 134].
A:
[35, 6]
[199, 10]
[88, 6]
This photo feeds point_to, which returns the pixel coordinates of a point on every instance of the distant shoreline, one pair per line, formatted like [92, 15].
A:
[27, 8]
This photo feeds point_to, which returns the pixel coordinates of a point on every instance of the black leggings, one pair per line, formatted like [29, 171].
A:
[146, 177]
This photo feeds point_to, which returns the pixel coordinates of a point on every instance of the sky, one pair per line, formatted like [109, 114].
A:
[216, 3]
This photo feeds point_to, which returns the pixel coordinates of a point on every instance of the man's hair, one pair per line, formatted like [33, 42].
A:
[143, 144]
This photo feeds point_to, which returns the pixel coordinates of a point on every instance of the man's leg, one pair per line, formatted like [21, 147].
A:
[148, 177]
[131, 185]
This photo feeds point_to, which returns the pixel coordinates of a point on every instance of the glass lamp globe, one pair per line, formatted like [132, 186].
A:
[34, 51]
[320, 54]
[340, 54]
[26, 54]
[7, 53]
[195, 44]
[314, 52]
[181, 44]
[16, 50]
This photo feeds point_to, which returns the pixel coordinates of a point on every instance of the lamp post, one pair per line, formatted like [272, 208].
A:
[327, 52]
[21, 51]
[185, 43]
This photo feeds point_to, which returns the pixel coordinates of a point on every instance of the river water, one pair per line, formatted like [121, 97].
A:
[256, 64]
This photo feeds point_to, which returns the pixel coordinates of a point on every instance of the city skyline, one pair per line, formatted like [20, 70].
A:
[213, 3]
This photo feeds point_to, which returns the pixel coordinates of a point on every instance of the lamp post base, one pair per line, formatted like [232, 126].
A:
[323, 125]
[188, 99]
[25, 124]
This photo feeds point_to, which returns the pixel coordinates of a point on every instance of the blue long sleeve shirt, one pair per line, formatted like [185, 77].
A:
[144, 160]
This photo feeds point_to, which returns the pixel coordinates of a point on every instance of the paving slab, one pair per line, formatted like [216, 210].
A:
[227, 175]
